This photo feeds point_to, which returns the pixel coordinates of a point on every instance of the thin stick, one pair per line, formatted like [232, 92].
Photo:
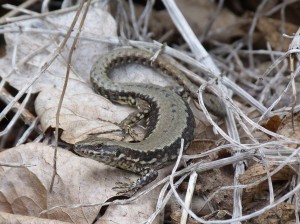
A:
[189, 196]
[66, 80]
[42, 15]
[15, 11]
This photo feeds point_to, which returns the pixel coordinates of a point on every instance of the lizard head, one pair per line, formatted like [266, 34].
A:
[100, 149]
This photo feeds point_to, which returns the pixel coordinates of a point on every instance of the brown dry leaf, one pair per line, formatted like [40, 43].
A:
[259, 192]
[271, 31]
[210, 182]
[204, 140]
[224, 28]
[25, 190]
[289, 130]
[197, 204]
[273, 123]
[218, 215]
[282, 213]
[257, 171]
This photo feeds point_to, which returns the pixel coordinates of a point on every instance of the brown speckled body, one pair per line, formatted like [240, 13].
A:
[170, 118]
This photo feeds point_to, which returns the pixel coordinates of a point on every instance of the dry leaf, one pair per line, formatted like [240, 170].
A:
[75, 119]
[271, 31]
[13, 218]
[282, 213]
[289, 130]
[273, 123]
[257, 171]
[25, 190]
[225, 26]
[44, 45]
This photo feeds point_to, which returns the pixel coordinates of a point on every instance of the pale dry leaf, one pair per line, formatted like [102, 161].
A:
[13, 218]
[25, 190]
[83, 112]
[40, 38]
